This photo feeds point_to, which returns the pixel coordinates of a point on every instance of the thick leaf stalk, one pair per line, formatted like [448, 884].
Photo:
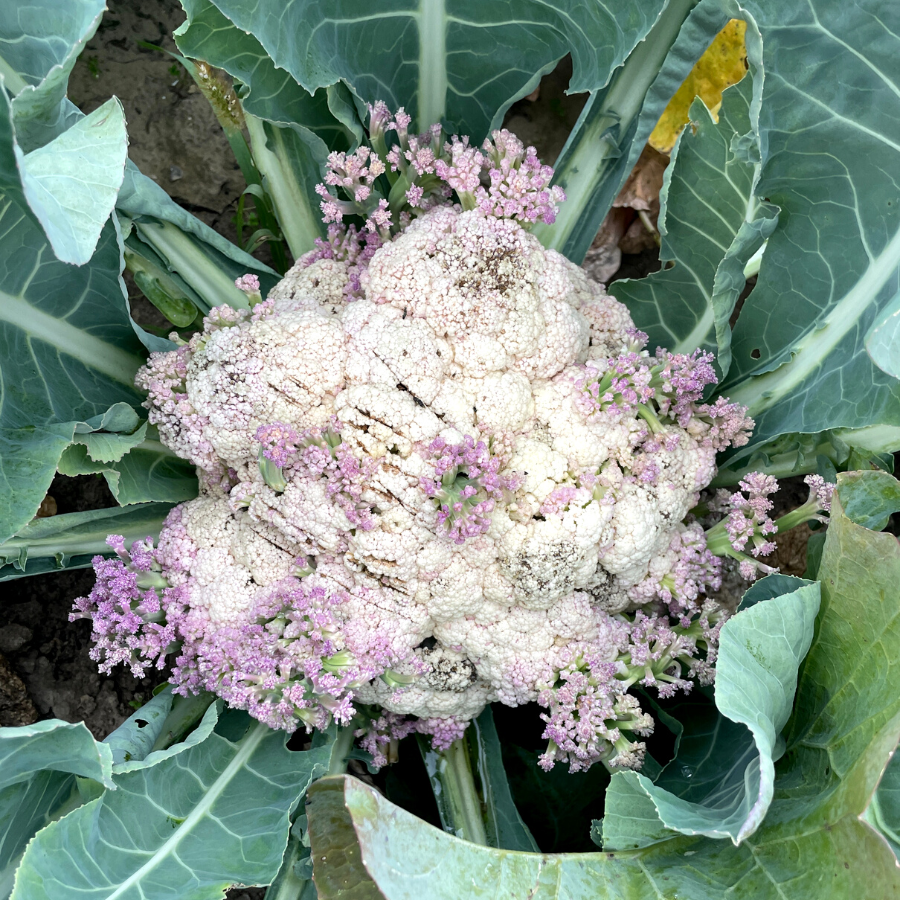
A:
[453, 784]
[603, 133]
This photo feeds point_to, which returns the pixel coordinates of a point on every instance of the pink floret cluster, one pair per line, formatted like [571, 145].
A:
[503, 178]
[318, 453]
[746, 532]
[589, 712]
[467, 485]
[666, 387]
[296, 658]
[128, 618]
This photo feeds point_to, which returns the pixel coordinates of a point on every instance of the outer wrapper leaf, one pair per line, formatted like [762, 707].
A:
[832, 265]
[721, 784]
[67, 349]
[812, 843]
[41, 40]
[711, 223]
[217, 813]
[72, 540]
[71, 183]
[38, 765]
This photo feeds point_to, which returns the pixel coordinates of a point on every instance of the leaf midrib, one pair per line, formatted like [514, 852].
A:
[248, 747]
[69, 340]
[764, 391]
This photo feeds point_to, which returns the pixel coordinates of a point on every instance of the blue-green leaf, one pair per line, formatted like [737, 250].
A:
[291, 129]
[269, 93]
[206, 261]
[452, 60]
[503, 824]
[71, 183]
[132, 742]
[67, 348]
[38, 765]
[883, 339]
[711, 223]
[52, 744]
[832, 266]
[719, 783]
[139, 468]
[884, 810]
[189, 826]
[871, 498]
[616, 122]
[39, 43]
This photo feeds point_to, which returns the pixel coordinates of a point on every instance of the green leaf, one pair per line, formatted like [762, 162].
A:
[503, 824]
[39, 43]
[332, 833]
[204, 259]
[873, 499]
[72, 540]
[883, 339]
[52, 744]
[146, 471]
[405, 859]
[215, 814]
[72, 182]
[832, 266]
[711, 223]
[539, 796]
[720, 784]
[884, 810]
[67, 348]
[135, 737]
[38, 765]
[269, 93]
[133, 742]
[812, 843]
[452, 60]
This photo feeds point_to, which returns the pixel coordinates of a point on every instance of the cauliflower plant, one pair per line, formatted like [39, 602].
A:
[439, 469]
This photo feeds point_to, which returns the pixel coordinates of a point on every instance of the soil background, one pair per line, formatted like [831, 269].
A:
[45, 668]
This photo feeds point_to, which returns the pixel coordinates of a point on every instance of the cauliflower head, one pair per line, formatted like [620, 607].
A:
[439, 469]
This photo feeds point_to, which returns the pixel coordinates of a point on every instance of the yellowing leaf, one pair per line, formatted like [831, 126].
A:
[723, 64]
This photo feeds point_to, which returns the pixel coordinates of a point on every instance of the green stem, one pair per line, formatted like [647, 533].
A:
[183, 256]
[592, 152]
[806, 513]
[340, 750]
[450, 774]
[182, 720]
[650, 417]
[296, 212]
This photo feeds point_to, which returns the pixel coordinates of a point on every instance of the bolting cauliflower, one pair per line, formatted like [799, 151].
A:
[438, 470]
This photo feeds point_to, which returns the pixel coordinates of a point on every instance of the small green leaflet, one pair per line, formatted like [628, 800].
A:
[711, 223]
